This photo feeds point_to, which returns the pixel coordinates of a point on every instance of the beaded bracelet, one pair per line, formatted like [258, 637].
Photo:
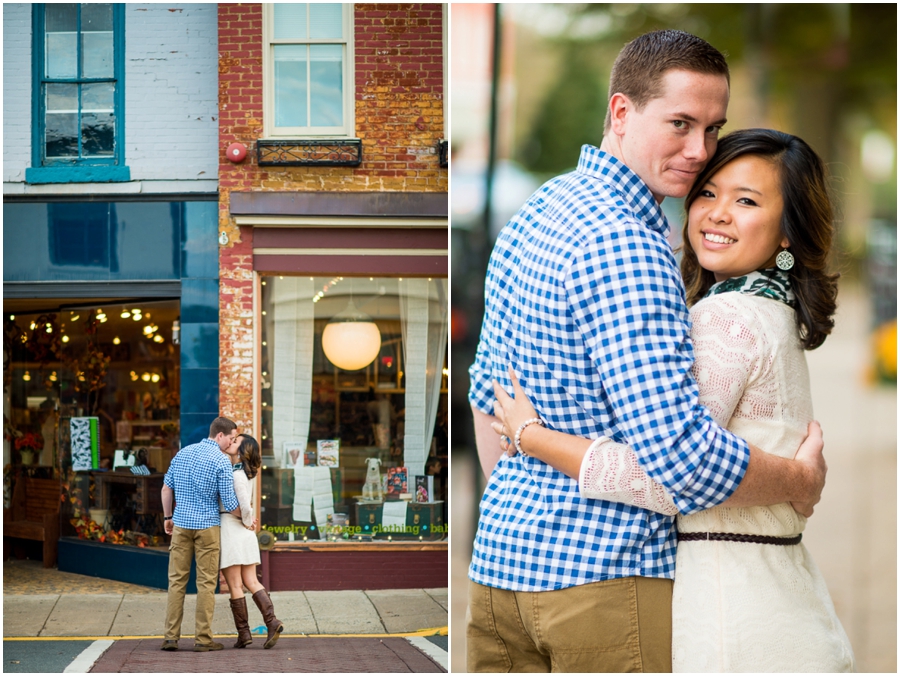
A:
[530, 421]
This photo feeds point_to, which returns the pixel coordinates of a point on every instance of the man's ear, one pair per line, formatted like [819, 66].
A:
[619, 107]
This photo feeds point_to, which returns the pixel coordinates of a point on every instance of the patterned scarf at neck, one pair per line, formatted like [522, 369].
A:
[771, 283]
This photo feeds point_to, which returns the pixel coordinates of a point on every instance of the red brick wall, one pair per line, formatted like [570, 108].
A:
[240, 119]
[399, 117]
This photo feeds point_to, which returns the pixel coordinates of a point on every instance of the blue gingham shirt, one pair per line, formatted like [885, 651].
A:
[200, 474]
[585, 301]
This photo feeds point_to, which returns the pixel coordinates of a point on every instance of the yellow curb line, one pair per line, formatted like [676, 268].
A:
[436, 631]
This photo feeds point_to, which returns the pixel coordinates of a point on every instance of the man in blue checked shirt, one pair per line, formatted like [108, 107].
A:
[584, 300]
[198, 478]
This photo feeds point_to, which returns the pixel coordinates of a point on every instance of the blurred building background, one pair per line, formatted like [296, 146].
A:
[529, 87]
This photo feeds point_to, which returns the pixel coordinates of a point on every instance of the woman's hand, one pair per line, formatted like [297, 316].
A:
[511, 413]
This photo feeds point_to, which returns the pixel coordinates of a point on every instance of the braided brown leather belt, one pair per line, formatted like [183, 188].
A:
[740, 537]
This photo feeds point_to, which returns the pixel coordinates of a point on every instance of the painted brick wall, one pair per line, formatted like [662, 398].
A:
[171, 126]
[399, 117]
[16, 91]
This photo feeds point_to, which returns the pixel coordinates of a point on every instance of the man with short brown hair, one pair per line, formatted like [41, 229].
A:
[586, 303]
[198, 478]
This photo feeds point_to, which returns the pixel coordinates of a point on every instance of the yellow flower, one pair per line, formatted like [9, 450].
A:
[885, 340]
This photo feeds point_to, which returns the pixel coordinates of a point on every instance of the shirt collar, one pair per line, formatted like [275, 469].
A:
[603, 166]
[211, 443]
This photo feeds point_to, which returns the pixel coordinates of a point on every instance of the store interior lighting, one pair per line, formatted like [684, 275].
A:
[351, 340]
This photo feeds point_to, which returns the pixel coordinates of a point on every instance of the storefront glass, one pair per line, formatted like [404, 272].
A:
[353, 408]
[112, 367]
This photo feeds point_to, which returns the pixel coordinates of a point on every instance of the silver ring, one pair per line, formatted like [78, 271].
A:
[504, 439]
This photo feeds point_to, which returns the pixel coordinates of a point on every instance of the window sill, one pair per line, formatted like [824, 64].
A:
[79, 174]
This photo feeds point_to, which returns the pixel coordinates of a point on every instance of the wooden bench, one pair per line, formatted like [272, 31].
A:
[34, 515]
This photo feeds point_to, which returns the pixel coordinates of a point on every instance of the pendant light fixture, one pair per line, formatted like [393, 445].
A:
[351, 340]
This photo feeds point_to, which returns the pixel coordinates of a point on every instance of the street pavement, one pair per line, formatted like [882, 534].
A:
[853, 534]
[341, 631]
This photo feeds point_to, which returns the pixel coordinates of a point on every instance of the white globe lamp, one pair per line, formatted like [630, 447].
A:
[351, 340]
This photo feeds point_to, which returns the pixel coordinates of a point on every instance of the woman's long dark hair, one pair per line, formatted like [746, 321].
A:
[250, 455]
[807, 222]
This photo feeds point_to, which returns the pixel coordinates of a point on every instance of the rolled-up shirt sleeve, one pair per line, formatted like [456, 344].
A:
[626, 295]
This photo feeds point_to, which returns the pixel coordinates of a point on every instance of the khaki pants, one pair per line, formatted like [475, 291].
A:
[187, 545]
[621, 625]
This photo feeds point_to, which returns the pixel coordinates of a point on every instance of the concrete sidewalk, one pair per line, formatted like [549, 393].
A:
[313, 613]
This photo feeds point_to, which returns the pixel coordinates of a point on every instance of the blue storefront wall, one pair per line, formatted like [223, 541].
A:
[108, 249]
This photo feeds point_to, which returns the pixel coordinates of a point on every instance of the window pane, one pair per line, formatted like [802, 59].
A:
[315, 414]
[98, 97]
[61, 54]
[325, 21]
[61, 18]
[290, 21]
[97, 54]
[98, 134]
[290, 86]
[96, 17]
[62, 98]
[326, 70]
[61, 135]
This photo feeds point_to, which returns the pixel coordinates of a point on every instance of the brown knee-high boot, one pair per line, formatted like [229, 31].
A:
[241, 622]
[273, 624]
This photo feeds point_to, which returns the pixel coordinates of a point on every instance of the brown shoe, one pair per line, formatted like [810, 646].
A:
[207, 647]
[273, 624]
[169, 645]
[241, 622]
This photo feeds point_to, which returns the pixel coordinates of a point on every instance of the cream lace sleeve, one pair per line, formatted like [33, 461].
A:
[243, 493]
[610, 471]
[727, 355]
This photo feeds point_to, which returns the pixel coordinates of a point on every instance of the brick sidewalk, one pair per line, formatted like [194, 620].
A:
[298, 655]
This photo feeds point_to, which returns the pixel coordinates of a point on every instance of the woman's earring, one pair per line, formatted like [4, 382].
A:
[784, 260]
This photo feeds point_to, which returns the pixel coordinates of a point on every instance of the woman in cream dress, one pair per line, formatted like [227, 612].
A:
[747, 595]
[239, 549]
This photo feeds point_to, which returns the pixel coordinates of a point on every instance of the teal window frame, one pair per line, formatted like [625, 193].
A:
[80, 169]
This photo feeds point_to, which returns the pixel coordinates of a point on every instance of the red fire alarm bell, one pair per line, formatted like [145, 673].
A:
[236, 152]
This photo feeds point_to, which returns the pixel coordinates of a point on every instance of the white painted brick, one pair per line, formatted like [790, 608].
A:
[171, 80]
[16, 91]
[171, 74]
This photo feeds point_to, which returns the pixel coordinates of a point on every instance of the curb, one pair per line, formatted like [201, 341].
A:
[436, 631]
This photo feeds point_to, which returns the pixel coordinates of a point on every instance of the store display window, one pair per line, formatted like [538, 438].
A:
[353, 395]
[90, 387]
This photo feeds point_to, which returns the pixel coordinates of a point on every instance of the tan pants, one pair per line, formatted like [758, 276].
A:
[187, 545]
[622, 625]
